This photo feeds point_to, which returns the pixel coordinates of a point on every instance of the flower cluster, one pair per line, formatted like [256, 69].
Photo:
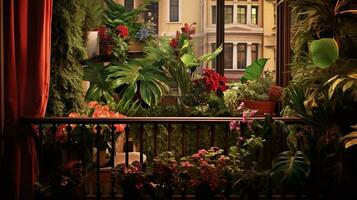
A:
[186, 34]
[275, 92]
[123, 31]
[204, 167]
[212, 81]
[143, 34]
[131, 176]
[95, 110]
[246, 113]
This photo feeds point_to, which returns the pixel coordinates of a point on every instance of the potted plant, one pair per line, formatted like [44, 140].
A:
[257, 89]
[204, 172]
[64, 184]
[103, 145]
[131, 180]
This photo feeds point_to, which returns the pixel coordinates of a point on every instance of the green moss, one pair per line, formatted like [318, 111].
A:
[67, 50]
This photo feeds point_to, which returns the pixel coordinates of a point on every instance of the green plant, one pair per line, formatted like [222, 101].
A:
[139, 77]
[94, 10]
[67, 51]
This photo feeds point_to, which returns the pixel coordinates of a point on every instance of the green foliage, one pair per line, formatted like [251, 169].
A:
[67, 50]
[94, 10]
[256, 89]
[116, 14]
[139, 76]
[291, 168]
[99, 89]
[324, 52]
[255, 70]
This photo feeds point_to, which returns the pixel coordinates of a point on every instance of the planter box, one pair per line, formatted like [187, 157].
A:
[263, 107]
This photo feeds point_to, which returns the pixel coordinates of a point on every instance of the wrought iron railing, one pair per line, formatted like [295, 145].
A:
[140, 121]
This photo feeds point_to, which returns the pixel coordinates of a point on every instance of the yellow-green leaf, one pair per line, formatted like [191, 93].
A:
[353, 76]
[347, 86]
[331, 91]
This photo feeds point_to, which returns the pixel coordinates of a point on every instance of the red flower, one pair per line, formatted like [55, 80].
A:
[213, 81]
[275, 92]
[103, 33]
[188, 30]
[174, 43]
[123, 31]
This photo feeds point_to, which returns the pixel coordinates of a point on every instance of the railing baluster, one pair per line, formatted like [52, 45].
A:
[69, 129]
[98, 129]
[127, 131]
[141, 143]
[55, 156]
[198, 129]
[156, 129]
[212, 135]
[169, 130]
[112, 157]
[183, 140]
[226, 134]
[40, 132]
[84, 162]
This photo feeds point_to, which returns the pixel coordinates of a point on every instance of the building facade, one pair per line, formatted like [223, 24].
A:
[249, 28]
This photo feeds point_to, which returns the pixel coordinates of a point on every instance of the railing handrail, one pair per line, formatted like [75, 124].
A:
[146, 120]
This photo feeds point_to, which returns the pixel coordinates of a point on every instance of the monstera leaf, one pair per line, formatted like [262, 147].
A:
[148, 80]
[291, 168]
[324, 52]
[99, 89]
[255, 70]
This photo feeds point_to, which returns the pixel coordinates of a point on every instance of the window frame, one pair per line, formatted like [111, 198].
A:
[125, 5]
[245, 55]
[239, 15]
[179, 5]
[257, 14]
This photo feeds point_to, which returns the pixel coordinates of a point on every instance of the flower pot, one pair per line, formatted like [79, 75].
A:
[204, 192]
[262, 107]
[103, 160]
[92, 44]
[135, 47]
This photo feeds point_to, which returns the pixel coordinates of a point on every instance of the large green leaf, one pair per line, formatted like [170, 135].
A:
[211, 56]
[189, 60]
[324, 52]
[254, 71]
[291, 168]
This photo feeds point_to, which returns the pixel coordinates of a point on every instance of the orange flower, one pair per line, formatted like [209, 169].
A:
[92, 104]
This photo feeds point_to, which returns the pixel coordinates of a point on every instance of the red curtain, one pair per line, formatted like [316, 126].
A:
[27, 32]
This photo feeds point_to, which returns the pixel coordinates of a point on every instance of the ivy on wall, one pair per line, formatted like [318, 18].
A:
[68, 49]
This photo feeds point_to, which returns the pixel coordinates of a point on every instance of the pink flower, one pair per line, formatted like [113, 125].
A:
[245, 116]
[241, 106]
[202, 152]
[186, 164]
[196, 155]
[234, 125]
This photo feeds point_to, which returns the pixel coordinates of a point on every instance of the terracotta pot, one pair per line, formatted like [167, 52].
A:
[135, 47]
[103, 160]
[263, 107]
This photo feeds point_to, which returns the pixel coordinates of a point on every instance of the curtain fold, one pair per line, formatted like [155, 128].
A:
[27, 37]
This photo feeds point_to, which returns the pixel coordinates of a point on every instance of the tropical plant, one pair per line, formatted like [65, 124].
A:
[141, 78]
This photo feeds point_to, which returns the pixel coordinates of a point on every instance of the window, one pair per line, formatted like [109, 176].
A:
[254, 14]
[214, 15]
[242, 13]
[255, 52]
[242, 56]
[174, 10]
[228, 55]
[129, 4]
[228, 14]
